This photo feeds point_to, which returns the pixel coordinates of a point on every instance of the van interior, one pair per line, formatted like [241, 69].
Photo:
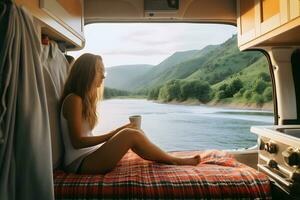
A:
[36, 36]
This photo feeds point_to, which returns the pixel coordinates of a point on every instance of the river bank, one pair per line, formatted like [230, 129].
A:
[194, 102]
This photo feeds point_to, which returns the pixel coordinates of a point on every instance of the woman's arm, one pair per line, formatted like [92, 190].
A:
[94, 140]
[72, 112]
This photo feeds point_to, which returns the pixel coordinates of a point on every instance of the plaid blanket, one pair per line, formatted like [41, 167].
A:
[218, 176]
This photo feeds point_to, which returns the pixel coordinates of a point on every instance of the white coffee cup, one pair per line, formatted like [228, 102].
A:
[136, 121]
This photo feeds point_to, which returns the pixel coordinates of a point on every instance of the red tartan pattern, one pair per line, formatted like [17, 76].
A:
[218, 176]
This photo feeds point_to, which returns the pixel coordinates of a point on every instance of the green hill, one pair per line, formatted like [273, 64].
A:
[248, 74]
[121, 77]
[222, 75]
[178, 65]
[213, 64]
[224, 61]
[256, 87]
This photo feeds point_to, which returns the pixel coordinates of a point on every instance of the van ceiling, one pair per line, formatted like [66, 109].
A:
[215, 11]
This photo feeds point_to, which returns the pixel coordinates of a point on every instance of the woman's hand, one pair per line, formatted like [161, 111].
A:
[129, 125]
[112, 133]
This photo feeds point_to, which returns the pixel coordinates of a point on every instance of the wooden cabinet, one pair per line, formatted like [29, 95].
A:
[246, 20]
[61, 20]
[67, 12]
[294, 8]
[272, 13]
[261, 21]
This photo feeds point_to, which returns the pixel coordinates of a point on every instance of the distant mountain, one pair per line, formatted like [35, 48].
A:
[120, 77]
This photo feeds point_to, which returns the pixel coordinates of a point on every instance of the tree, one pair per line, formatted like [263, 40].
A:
[109, 93]
[170, 91]
[234, 86]
[268, 93]
[264, 76]
[259, 86]
[230, 89]
[153, 94]
[186, 90]
[237, 84]
[200, 90]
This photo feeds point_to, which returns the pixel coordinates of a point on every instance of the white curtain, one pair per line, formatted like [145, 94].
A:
[25, 150]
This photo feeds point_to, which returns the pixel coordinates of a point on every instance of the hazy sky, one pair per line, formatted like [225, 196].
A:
[149, 43]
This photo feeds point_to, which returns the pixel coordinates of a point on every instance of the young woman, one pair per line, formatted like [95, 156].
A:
[85, 153]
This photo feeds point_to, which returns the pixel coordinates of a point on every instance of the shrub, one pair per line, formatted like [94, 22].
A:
[220, 95]
[247, 94]
[242, 90]
[237, 95]
[259, 99]
[223, 87]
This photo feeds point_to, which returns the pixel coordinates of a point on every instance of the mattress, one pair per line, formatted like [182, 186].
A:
[218, 176]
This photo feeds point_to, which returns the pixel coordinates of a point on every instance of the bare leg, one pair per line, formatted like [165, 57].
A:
[150, 151]
[110, 153]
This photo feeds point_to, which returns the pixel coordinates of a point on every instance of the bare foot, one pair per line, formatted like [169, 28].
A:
[195, 160]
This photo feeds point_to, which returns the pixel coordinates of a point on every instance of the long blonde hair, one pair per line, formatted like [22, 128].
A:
[81, 82]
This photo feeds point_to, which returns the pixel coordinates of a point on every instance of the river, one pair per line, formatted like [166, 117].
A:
[184, 127]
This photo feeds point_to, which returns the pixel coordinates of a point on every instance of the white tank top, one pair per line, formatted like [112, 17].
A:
[71, 153]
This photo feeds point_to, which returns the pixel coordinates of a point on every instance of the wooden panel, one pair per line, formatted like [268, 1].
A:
[208, 9]
[269, 8]
[287, 38]
[67, 12]
[220, 11]
[73, 7]
[247, 12]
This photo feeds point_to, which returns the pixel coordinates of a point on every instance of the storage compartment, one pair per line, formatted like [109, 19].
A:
[246, 20]
[270, 15]
[294, 8]
[264, 23]
[60, 20]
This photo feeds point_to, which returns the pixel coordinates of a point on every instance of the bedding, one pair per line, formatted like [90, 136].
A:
[218, 176]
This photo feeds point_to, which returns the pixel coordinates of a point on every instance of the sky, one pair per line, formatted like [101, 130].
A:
[149, 43]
